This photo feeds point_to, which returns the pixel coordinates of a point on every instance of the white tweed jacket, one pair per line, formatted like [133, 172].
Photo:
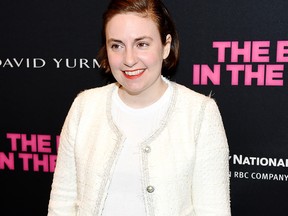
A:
[185, 169]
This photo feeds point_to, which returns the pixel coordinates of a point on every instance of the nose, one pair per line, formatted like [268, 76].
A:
[130, 58]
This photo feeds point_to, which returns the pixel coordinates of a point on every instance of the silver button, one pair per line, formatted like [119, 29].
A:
[147, 149]
[150, 189]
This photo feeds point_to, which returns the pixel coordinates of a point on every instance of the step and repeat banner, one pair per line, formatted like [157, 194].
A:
[235, 50]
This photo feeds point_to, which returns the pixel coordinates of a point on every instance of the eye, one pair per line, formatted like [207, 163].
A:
[142, 44]
[116, 47]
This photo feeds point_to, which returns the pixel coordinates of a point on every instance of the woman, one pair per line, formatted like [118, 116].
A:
[143, 145]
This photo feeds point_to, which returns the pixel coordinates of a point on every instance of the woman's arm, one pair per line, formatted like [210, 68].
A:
[63, 197]
[210, 187]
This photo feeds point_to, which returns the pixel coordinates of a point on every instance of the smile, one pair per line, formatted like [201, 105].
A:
[134, 72]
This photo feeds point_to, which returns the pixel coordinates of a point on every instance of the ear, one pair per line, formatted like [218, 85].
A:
[167, 46]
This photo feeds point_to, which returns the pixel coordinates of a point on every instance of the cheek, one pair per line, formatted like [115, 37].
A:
[151, 58]
[114, 59]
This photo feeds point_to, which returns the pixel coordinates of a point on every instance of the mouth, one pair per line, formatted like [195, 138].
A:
[132, 74]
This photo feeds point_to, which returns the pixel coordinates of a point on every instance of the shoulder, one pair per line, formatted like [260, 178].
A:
[93, 95]
[96, 92]
[188, 100]
[187, 96]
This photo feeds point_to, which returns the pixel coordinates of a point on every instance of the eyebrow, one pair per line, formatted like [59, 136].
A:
[136, 39]
[143, 37]
[110, 40]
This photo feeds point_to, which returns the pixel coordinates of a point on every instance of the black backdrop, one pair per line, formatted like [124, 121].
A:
[47, 52]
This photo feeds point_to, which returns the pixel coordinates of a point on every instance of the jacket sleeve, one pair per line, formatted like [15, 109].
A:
[63, 196]
[210, 186]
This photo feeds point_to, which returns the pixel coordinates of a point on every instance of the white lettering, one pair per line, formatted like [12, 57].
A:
[259, 161]
[269, 176]
[57, 62]
[67, 63]
[98, 65]
[83, 62]
[8, 62]
[42, 63]
[18, 63]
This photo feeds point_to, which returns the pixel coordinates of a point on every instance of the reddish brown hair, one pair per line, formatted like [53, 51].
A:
[156, 10]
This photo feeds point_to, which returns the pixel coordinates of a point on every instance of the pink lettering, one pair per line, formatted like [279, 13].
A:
[25, 158]
[269, 75]
[7, 160]
[32, 142]
[221, 46]
[234, 72]
[57, 142]
[52, 159]
[196, 74]
[245, 51]
[13, 137]
[282, 51]
[44, 143]
[260, 51]
[38, 162]
[205, 74]
[274, 75]
[44, 163]
[258, 75]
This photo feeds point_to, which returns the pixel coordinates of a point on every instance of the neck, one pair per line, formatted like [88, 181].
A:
[143, 98]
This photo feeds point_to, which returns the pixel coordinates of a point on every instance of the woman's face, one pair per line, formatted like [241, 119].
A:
[135, 53]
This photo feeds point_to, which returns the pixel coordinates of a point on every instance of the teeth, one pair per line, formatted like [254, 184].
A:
[133, 73]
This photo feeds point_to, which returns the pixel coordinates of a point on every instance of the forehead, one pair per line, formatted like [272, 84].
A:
[131, 25]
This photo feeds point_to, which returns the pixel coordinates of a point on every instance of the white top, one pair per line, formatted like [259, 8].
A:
[125, 196]
[188, 165]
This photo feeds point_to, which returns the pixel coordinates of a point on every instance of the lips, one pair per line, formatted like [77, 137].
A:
[133, 74]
